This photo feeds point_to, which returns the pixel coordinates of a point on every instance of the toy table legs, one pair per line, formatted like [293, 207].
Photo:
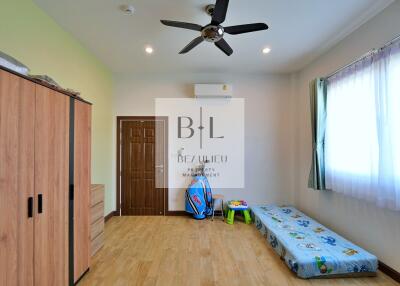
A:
[231, 216]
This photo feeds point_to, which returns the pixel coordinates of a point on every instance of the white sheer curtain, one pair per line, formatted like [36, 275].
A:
[362, 143]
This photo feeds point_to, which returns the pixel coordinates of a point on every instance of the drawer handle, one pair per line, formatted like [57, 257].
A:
[40, 203]
[30, 207]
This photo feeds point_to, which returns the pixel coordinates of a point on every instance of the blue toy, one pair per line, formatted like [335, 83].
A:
[198, 198]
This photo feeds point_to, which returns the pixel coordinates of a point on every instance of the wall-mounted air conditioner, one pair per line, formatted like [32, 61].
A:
[213, 90]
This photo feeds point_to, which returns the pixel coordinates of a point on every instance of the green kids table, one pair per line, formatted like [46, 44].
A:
[241, 206]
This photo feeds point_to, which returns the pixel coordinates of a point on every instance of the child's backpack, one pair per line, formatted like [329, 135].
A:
[198, 198]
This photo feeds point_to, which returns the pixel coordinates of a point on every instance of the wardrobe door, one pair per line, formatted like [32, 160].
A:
[51, 187]
[17, 118]
[82, 178]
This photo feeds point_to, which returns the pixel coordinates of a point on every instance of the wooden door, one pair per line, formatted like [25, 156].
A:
[82, 178]
[51, 187]
[140, 194]
[17, 119]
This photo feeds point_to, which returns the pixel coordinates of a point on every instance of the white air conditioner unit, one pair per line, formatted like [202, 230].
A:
[213, 90]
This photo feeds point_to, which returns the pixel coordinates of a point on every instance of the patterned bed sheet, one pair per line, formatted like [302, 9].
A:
[308, 248]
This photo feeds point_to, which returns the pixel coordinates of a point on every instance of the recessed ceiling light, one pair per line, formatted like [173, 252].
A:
[149, 50]
[266, 50]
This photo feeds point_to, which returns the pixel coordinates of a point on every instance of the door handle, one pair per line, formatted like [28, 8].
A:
[30, 207]
[40, 203]
[160, 168]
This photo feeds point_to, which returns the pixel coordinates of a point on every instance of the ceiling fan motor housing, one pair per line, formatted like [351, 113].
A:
[212, 33]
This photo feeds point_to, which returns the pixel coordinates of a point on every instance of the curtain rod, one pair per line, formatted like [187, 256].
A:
[367, 54]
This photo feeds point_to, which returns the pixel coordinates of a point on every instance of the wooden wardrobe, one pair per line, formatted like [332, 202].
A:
[44, 184]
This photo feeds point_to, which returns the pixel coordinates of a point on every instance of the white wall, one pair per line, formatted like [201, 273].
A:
[269, 173]
[375, 229]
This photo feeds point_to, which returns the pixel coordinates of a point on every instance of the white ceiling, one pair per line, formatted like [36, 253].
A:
[300, 31]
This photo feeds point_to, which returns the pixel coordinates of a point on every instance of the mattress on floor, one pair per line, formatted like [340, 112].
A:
[308, 248]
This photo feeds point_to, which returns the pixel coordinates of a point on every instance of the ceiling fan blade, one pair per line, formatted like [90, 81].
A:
[219, 15]
[241, 29]
[183, 25]
[191, 45]
[223, 46]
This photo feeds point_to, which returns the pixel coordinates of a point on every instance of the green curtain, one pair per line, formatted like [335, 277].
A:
[318, 92]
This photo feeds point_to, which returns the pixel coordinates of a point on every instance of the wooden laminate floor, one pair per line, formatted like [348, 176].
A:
[181, 251]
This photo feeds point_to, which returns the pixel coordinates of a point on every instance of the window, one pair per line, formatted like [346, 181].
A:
[362, 139]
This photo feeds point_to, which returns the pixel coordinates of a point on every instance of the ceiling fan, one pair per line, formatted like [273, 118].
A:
[214, 32]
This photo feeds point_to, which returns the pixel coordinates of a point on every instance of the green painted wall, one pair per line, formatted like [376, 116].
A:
[35, 39]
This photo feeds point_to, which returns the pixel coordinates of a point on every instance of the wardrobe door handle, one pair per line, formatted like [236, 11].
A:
[40, 203]
[30, 207]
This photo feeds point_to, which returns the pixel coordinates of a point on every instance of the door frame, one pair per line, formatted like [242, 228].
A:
[121, 119]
